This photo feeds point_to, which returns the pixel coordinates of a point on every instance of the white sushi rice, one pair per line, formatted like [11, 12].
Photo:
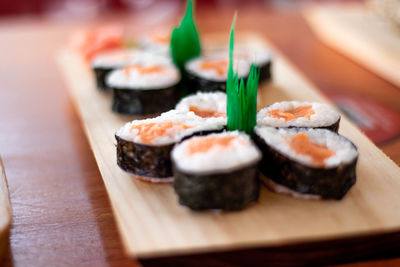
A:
[324, 115]
[148, 81]
[259, 57]
[209, 101]
[242, 67]
[122, 57]
[279, 138]
[116, 58]
[240, 153]
[148, 43]
[188, 118]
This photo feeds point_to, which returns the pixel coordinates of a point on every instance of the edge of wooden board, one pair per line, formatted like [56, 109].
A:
[335, 26]
[295, 80]
[5, 210]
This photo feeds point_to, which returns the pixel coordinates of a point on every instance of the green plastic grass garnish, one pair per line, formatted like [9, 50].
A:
[241, 98]
[185, 41]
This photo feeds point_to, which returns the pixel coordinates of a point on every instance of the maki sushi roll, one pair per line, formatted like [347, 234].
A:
[312, 163]
[144, 88]
[299, 114]
[261, 58]
[209, 73]
[157, 42]
[144, 146]
[104, 63]
[205, 104]
[217, 171]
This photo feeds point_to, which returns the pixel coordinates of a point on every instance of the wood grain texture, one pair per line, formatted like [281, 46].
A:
[153, 224]
[5, 210]
[361, 35]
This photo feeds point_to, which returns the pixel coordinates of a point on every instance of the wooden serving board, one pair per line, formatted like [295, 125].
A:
[152, 223]
[361, 35]
[5, 211]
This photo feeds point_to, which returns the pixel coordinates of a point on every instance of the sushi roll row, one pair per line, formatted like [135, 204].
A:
[295, 151]
[145, 81]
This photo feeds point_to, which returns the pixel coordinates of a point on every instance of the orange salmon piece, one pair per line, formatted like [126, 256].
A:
[206, 113]
[288, 115]
[202, 145]
[220, 66]
[150, 131]
[144, 69]
[302, 145]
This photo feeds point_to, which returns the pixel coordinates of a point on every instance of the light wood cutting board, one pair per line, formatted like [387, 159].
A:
[5, 211]
[152, 223]
[361, 35]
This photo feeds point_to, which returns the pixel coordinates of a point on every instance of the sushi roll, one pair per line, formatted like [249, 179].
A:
[104, 63]
[209, 73]
[312, 163]
[144, 88]
[157, 42]
[299, 114]
[205, 104]
[261, 58]
[144, 146]
[217, 171]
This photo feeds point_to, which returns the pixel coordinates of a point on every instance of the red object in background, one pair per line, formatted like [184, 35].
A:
[378, 122]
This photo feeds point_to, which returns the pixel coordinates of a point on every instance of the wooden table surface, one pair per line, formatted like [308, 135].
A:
[61, 212]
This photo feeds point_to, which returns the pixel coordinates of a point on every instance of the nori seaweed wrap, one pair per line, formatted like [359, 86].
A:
[144, 89]
[218, 171]
[143, 102]
[146, 162]
[143, 146]
[315, 163]
[295, 114]
[100, 74]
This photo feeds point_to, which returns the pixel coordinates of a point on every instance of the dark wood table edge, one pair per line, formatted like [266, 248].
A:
[315, 253]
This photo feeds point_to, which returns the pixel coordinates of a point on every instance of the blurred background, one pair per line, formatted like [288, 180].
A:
[91, 8]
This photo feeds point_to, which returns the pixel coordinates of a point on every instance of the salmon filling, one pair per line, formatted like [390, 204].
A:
[206, 113]
[151, 131]
[219, 66]
[143, 69]
[91, 42]
[288, 115]
[202, 145]
[302, 145]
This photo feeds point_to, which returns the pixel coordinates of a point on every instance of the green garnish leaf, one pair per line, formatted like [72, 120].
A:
[185, 41]
[241, 106]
